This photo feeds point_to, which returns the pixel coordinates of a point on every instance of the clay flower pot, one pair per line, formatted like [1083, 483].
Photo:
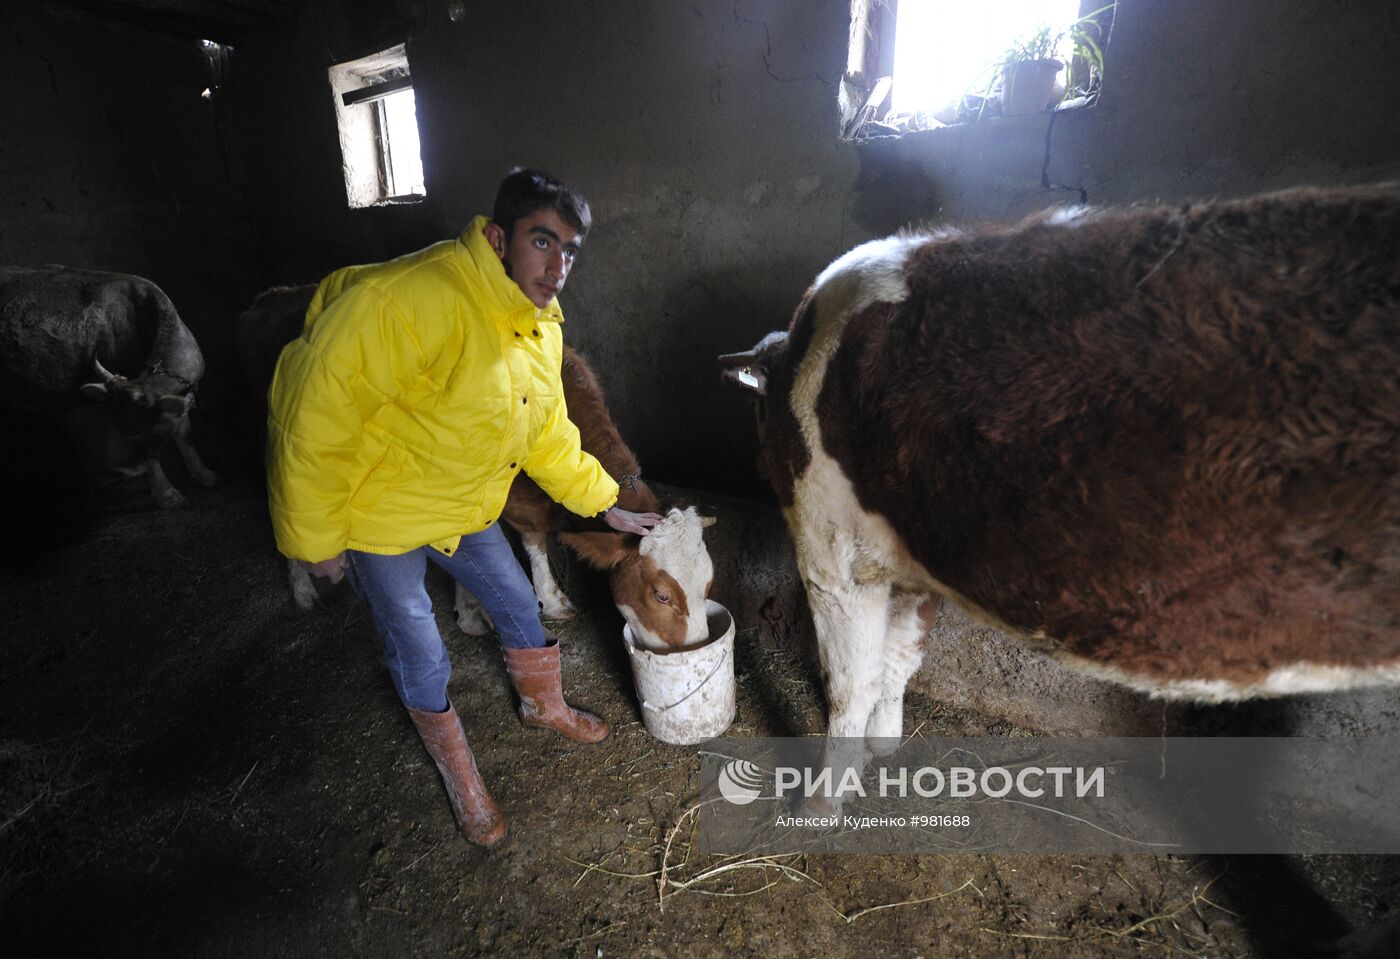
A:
[1028, 86]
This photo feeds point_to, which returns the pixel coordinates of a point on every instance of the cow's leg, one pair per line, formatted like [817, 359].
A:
[471, 618]
[553, 603]
[200, 473]
[850, 620]
[911, 617]
[165, 495]
[850, 611]
[303, 590]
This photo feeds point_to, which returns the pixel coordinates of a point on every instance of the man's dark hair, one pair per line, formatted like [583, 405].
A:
[524, 191]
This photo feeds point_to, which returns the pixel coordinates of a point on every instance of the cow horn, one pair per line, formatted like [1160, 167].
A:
[102, 371]
[750, 357]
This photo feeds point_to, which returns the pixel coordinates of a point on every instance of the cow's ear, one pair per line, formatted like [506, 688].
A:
[749, 370]
[174, 406]
[600, 550]
[751, 378]
[94, 391]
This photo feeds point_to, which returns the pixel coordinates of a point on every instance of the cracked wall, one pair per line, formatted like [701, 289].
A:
[705, 133]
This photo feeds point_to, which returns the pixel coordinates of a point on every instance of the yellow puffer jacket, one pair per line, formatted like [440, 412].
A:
[415, 393]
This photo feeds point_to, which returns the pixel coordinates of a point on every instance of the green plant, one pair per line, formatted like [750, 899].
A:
[1079, 46]
[1040, 45]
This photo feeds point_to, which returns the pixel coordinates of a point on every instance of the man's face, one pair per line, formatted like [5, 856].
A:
[539, 254]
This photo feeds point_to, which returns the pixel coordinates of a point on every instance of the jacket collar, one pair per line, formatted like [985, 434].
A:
[504, 299]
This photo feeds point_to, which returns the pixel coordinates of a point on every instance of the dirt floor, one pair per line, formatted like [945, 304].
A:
[192, 766]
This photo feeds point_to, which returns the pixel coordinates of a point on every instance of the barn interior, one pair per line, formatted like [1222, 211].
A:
[190, 765]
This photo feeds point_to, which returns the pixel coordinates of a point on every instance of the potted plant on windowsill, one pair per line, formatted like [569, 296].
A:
[1028, 74]
[1030, 70]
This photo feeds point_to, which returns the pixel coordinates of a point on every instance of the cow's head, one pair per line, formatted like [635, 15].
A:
[753, 371]
[148, 406]
[659, 581]
[749, 370]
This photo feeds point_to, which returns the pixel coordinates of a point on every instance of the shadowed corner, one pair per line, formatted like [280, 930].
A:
[51, 501]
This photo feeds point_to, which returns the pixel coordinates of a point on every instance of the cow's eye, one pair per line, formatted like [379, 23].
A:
[662, 597]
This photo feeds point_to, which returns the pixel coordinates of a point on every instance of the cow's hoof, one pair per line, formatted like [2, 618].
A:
[170, 499]
[564, 612]
[819, 811]
[304, 595]
[882, 745]
[207, 478]
[473, 622]
[886, 723]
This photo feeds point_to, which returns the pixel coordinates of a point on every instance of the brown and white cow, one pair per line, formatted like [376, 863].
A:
[1160, 445]
[659, 582]
[63, 330]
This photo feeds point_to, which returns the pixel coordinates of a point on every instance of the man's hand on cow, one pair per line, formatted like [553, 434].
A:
[332, 569]
[626, 521]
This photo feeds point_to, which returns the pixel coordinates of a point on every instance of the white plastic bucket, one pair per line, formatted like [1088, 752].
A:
[687, 695]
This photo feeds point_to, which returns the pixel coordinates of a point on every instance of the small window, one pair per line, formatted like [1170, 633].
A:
[922, 64]
[378, 121]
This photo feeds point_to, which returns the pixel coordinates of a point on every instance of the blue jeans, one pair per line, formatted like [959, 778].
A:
[392, 587]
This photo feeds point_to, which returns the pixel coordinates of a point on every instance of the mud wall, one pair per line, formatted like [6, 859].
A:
[706, 135]
[112, 160]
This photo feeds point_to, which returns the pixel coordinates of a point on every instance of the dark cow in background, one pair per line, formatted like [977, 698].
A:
[274, 320]
[1160, 445]
[658, 582]
[109, 337]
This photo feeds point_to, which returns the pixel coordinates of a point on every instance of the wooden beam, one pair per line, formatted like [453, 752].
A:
[375, 91]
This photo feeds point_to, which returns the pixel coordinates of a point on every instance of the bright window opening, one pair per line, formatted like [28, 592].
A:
[403, 160]
[381, 156]
[945, 49]
[919, 64]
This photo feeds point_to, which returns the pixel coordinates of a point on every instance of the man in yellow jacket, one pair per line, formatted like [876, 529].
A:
[416, 392]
